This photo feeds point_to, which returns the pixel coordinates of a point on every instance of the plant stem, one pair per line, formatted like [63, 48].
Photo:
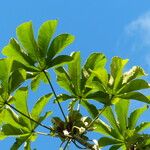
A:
[66, 145]
[102, 110]
[51, 86]
[42, 133]
[78, 107]
[84, 142]
[42, 125]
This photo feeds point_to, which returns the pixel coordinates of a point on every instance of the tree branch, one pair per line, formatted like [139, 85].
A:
[51, 86]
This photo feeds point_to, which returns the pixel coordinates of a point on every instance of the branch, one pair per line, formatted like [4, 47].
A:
[51, 86]
[84, 143]
[102, 110]
[42, 125]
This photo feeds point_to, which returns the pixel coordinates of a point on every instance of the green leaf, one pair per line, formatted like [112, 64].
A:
[63, 97]
[21, 96]
[101, 97]
[58, 44]
[142, 126]
[9, 130]
[115, 147]
[105, 141]
[45, 34]
[109, 115]
[14, 82]
[35, 83]
[39, 106]
[90, 108]
[10, 117]
[121, 109]
[64, 80]
[134, 85]
[102, 128]
[135, 96]
[5, 65]
[13, 50]
[132, 120]
[102, 75]
[95, 60]
[41, 118]
[117, 67]
[19, 142]
[135, 72]
[26, 37]
[59, 61]
[74, 70]
[27, 145]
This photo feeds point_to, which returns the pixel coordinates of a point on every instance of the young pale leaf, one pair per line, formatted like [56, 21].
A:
[26, 37]
[121, 109]
[132, 120]
[117, 67]
[45, 34]
[133, 73]
[74, 70]
[58, 44]
[21, 96]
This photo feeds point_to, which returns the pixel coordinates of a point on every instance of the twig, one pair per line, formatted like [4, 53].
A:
[66, 145]
[42, 125]
[51, 86]
[102, 110]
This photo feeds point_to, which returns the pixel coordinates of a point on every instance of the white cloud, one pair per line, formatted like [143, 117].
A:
[136, 40]
[140, 30]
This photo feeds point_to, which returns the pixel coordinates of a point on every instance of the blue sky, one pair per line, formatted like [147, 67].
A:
[118, 27]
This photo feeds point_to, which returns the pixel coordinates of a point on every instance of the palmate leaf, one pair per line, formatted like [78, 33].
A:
[8, 73]
[74, 72]
[18, 125]
[117, 67]
[133, 73]
[121, 109]
[105, 141]
[135, 96]
[134, 116]
[77, 80]
[118, 85]
[37, 56]
[26, 37]
[127, 131]
[45, 34]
